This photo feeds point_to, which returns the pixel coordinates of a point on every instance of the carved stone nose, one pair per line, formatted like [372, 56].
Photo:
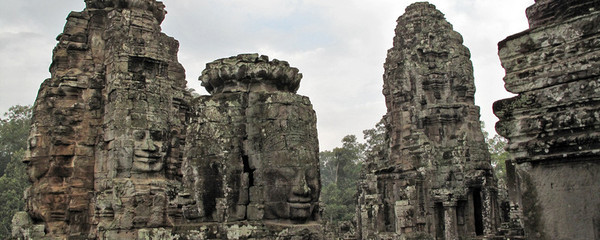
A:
[301, 187]
[148, 145]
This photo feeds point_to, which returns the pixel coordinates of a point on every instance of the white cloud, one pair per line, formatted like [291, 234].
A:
[28, 30]
[339, 45]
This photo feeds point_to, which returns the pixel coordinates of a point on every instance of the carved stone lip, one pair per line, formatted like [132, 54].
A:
[298, 199]
[144, 156]
[106, 213]
[300, 205]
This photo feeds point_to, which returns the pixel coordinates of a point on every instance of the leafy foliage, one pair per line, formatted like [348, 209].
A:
[375, 138]
[340, 170]
[499, 156]
[14, 129]
[193, 92]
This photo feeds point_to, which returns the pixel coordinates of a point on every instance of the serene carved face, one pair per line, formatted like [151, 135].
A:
[104, 204]
[150, 149]
[36, 168]
[291, 192]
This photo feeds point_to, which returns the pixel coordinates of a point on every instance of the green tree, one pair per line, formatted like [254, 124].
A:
[328, 167]
[340, 169]
[496, 146]
[499, 156]
[14, 129]
[375, 140]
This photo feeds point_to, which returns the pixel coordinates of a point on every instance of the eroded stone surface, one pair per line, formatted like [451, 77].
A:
[552, 124]
[547, 12]
[434, 180]
[107, 125]
[250, 72]
[119, 150]
[252, 152]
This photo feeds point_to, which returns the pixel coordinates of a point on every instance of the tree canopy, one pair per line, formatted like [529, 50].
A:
[340, 172]
[14, 129]
[340, 169]
[498, 154]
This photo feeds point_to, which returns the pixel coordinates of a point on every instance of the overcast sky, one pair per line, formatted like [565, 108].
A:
[339, 46]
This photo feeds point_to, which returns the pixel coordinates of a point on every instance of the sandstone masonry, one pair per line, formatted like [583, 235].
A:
[120, 150]
[552, 124]
[434, 180]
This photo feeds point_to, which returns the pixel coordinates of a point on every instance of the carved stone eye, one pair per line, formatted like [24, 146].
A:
[311, 174]
[156, 135]
[139, 135]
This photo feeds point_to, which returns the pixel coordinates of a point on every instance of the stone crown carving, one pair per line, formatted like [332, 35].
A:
[250, 73]
[156, 7]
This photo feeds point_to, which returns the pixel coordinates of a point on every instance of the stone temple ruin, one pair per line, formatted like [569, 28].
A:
[434, 180]
[553, 123]
[119, 149]
[251, 151]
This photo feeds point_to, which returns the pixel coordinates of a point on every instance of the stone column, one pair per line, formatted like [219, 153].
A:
[489, 211]
[403, 223]
[450, 231]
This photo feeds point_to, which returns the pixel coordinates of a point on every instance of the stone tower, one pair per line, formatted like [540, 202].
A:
[107, 124]
[435, 179]
[251, 155]
[553, 123]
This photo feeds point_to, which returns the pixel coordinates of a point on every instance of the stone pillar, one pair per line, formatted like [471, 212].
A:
[490, 211]
[450, 224]
[403, 223]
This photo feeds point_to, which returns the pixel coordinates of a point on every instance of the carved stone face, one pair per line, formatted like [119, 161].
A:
[149, 150]
[104, 204]
[292, 192]
[36, 168]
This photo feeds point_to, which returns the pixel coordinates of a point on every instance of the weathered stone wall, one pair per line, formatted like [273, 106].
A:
[552, 124]
[66, 124]
[108, 124]
[144, 117]
[119, 150]
[435, 179]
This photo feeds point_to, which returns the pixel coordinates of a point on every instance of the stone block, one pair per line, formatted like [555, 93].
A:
[255, 211]
[256, 194]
